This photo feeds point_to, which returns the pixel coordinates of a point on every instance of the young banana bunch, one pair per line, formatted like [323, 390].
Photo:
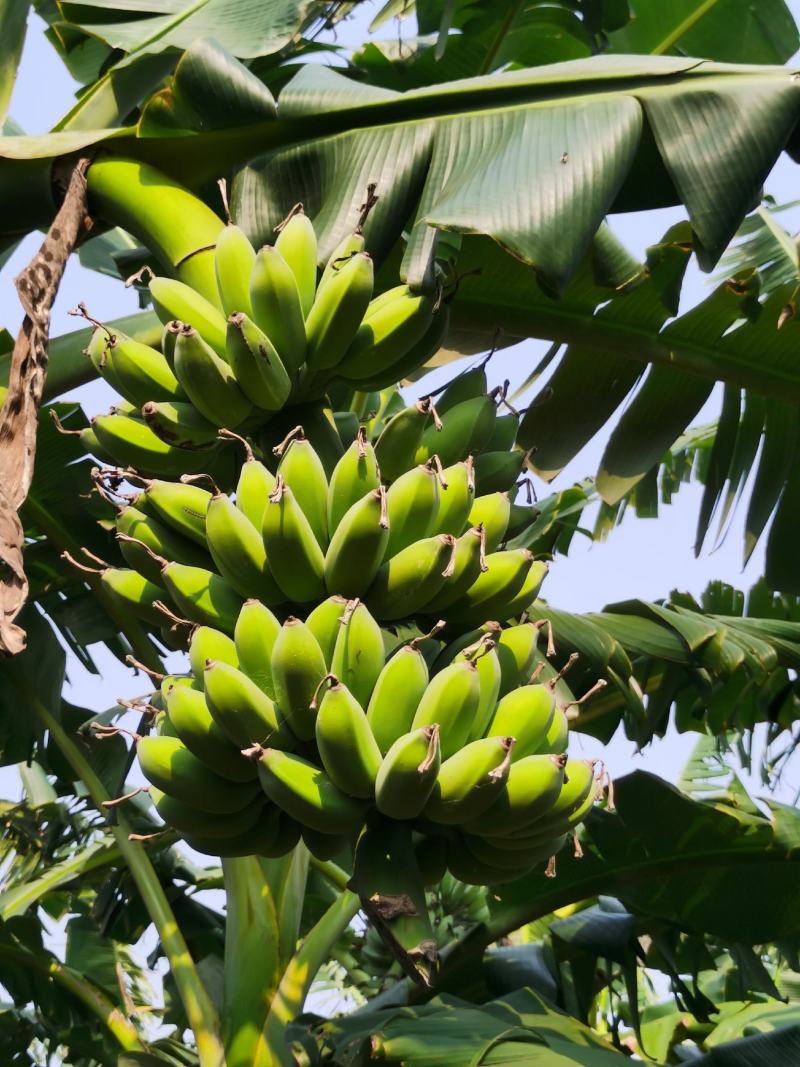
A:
[306, 728]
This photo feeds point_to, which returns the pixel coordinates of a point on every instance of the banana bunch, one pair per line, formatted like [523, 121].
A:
[451, 754]
[268, 335]
[424, 546]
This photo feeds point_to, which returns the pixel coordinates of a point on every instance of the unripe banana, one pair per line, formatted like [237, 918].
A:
[526, 714]
[400, 438]
[408, 774]
[135, 592]
[470, 781]
[349, 752]
[159, 538]
[349, 246]
[557, 737]
[255, 635]
[497, 472]
[202, 596]
[456, 498]
[140, 373]
[412, 504]
[199, 731]
[181, 505]
[465, 430]
[469, 561]
[292, 548]
[234, 257]
[531, 790]
[175, 302]
[396, 695]
[386, 334]
[502, 859]
[410, 580]
[132, 443]
[576, 799]
[470, 384]
[237, 549]
[277, 307]
[451, 700]
[504, 433]
[273, 835]
[208, 380]
[254, 360]
[207, 643]
[298, 666]
[495, 587]
[347, 426]
[517, 651]
[297, 243]
[325, 621]
[179, 424]
[416, 356]
[526, 594]
[465, 866]
[167, 764]
[99, 352]
[355, 475]
[492, 512]
[358, 546]
[253, 489]
[307, 794]
[388, 881]
[188, 819]
[359, 652]
[241, 709]
[319, 427]
[168, 343]
[337, 312]
[302, 470]
[431, 854]
[484, 656]
[324, 846]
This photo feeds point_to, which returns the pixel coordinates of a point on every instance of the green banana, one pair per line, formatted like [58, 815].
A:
[167, 764]
[416, 356]
[319, 427]
[386, 334]
[208, 380]
[207, 643]
[347, 426]
[358, 545]
[234, 257]
[517, 651]
[297, 243]
[456, 498]
[349, 752]
[325, 621]
[451, 699]
[140, 373]
[188, 819]
[253, 488]
[468, 385]
[175, 302]
[412, 505]
[337, 312]
[254, 360]
[277, 307]
[470, 781]
[254, 638]
[133, 444]
[577, 798]
[526, 594]
[159, 538]
[469, 562]
[292, 548]
[484, 656]
[503, 859]
[355, 475]
[241, 709]
[237, 549]
[431, 855]
[557, 737]
[307, 794]
[504, 434]
[399, 440]
[410, 580]
[492, 512]
[465, 429]
[298, 666]
[525, 713]
[387, 878]
[324, 846]
[358, 654]
[272, 836]
[181, 505]
[350, 245]
[408, 773]
[202, 596]
[199, 731]
[179, 424]
[491, 590]
[302, 470]
[497, 472]
[530, 791]
[134, 591]
[396, 695]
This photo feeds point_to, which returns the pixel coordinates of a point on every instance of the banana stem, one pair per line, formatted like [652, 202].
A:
[200, 1011]
[287, 1004]
[90, 995]
[333, 873]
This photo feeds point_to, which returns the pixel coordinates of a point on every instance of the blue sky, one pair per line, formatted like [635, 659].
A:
[642, 558]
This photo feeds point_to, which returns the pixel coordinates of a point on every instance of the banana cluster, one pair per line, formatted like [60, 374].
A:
[427, 545]
[273, 337]
[307, 729]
